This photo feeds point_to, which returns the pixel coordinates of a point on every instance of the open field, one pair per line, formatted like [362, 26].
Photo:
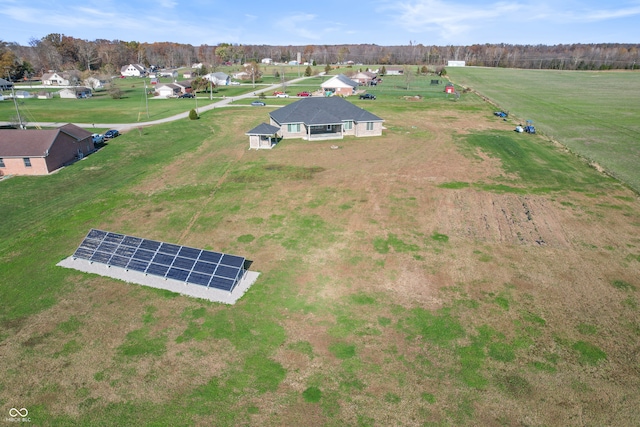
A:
[594, 114]
[450, 272]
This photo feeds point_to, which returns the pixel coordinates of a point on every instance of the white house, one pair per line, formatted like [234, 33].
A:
[133, 70]
[169, 90]
[94, 83]
[76, 92]
[54, 79]
[266, 60]
[456, 63]
[339, 85]
[219, 78]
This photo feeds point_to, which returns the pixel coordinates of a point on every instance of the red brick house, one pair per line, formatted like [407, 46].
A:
[40, 152]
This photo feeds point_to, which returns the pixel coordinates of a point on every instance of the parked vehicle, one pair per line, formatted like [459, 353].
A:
[111, 133]
[258, 104]
[97, 138]
[277, 92]
[187, 95]
[282, 95]
[501, 114]
[305, 93]
[367, 96]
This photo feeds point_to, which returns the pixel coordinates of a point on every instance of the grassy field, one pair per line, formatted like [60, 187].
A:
[594, 114]
[450, 272]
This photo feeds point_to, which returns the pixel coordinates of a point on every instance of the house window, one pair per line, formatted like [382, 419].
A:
[348, 125]
[1, 163]
[293, 128]
[369, 125]
[27, 162]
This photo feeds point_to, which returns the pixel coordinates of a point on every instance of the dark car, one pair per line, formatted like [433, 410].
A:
[367, 96]
[187, 95]
[258, 104]
[112, 133]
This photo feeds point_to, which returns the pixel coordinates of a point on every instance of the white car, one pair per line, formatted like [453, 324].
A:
[97, 138]
[282, 95]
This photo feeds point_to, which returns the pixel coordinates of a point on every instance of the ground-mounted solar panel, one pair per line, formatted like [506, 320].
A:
[210, 269]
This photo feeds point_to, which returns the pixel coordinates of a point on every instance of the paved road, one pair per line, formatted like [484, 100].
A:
[124, 127]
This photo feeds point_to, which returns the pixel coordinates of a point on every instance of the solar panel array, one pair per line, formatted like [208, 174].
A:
[197, 266]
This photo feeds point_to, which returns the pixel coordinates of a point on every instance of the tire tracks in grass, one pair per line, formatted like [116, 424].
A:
[212, 194]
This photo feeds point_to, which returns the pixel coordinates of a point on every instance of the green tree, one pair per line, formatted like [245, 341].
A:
[308, 71]
[383, 71]
[327, 69]
[193, 115]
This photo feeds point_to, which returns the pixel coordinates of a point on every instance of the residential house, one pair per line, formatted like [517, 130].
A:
[218, 79]
[5, 84]
[133, 70]
[172, 74]
[55, 79]
[266, 61]
[339, 85]
[324, 118]
[40, 152]
[23, 94]
[94, 83]
[364, 78]
[394, 71]
[76, 92]
[169, 90]
[263, 136]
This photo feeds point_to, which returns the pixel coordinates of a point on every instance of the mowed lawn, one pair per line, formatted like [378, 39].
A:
[450, 272]
[594, 114]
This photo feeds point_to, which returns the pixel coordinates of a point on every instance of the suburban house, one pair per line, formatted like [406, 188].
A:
[133, 70]
[40, 152]
[364, 77]
[266, 61]
[5, 84]
[315, 119]
[218, 79]
[169, 90]
[339, 85]
[94, 83]
[263, 136]
[55, 79]
[76, 92]
[394, 71]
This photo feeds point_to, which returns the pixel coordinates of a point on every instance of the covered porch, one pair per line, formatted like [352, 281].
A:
[324, 132]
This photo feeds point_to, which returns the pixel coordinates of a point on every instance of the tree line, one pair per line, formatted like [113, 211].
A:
[62, 53]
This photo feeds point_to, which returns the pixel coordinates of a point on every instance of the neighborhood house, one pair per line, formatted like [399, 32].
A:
[40, 152]
[315, 119]
[133, 70]
[339, 85]
[55, 79]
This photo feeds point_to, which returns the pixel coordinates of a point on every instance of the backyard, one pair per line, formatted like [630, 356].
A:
[450, 272]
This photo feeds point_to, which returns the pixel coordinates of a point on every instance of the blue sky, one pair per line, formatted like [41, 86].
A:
[285, 22]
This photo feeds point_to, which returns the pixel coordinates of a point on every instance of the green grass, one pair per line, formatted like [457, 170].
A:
[592, 113]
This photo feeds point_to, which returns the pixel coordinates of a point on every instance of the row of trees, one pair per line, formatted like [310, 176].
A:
[60, 52]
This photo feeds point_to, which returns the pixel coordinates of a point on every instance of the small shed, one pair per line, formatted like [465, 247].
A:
[263, 136]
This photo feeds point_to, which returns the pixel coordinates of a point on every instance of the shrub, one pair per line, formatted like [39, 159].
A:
[193, 115]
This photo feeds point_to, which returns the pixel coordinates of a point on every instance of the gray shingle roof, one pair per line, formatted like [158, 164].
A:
[263, 129]
[322, 111]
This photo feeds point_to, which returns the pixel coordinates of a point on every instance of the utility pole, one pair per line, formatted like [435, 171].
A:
[13, 96]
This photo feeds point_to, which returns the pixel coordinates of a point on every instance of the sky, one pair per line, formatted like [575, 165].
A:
[330, 22]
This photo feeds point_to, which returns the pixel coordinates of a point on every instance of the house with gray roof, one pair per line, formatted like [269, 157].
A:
[315, 119]
[339, 85]
[41, 151]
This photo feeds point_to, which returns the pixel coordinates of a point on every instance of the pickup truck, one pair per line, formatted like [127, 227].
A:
[367, 96]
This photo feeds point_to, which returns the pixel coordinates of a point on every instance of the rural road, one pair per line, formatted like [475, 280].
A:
[124, 127]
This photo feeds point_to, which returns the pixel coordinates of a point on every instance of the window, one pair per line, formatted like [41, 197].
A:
[328, 128]
[348, 125]
[1, 162]
[369, 125]
[293, 128]
[27, 162]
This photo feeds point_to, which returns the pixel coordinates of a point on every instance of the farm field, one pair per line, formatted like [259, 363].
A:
[594, 114]
[450, 272]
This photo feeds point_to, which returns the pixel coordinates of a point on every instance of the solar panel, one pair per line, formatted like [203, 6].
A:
[191, 265]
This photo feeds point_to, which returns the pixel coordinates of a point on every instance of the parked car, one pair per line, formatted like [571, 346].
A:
[282, 95]
[305, 93]
[111, 133]
[367, 96]
[187, 95]
[258, 104]
[97, 138]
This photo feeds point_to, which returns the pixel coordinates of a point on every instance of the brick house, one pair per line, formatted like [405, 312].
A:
[315, 119]
[40, 152]
[339, 85]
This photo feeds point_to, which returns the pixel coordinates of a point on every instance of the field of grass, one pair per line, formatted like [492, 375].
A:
[450, 272]
[594, 114]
